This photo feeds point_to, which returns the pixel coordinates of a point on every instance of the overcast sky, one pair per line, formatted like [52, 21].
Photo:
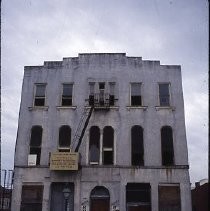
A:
[172, 31]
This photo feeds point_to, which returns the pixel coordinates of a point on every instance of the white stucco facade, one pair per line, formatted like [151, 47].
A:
[122, 71]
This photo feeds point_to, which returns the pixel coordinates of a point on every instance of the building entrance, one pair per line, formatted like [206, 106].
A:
[100, 199]
[62, 197]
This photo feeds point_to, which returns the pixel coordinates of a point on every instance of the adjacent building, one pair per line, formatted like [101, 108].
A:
[200, 197]
[101, 131]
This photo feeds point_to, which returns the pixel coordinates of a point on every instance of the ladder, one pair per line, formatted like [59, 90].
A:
[80, 131]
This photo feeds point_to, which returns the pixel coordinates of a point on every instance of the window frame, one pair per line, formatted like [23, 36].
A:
[62, 96]
[108, 149]
[64, 148]
[163, 150]
[130, 100]
[169, 94]
[141, 162]
[90, 162]
[38, 147]
[39, 97]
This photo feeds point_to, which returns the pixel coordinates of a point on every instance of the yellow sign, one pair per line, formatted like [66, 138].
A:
[64, 161]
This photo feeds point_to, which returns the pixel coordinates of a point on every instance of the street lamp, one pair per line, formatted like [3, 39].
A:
[66, 194]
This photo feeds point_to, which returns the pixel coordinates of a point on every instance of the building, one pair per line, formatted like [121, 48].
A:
[125, 117]
[200, 196]
[5, 199]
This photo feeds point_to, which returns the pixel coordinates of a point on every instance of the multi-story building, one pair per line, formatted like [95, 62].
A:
[125, 118]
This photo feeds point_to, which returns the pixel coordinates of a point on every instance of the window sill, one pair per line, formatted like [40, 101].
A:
[34, 108]
[165, 107]
[137, 107]
[66, 107]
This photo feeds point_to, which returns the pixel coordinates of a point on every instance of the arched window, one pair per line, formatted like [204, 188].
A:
[35, 142]
[94, 145]
[137, 146]
[108, 145]
[64, 137]
[167, 146]
[99, 199]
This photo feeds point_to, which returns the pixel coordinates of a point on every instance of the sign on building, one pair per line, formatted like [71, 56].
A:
[64, 161]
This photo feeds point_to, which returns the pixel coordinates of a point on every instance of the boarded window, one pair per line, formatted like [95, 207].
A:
[169, 198]
[138, 196]
[64, 136]
[136, 94]
[167, 146]
[40, 95]
[137, 146]
[67, 94]
[164, 96]
[31, 198]
[108, 148]
[94, 145]
[35, 142]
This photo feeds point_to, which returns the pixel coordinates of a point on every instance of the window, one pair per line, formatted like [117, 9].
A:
[101, 93]
[40, 95]
[137, 146]
[94, 145]
[138, 196]
[111, 94]
[91, 93]
[136, 99]
[105, 95]
[64, 138]
[67, 94]
[31, 198]
[164, 96]
[169, 197]
[108, 149]
[35, 142]
[167, 146]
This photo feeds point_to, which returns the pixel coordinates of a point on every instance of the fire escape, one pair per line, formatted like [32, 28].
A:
[97, 102]
[69, 160]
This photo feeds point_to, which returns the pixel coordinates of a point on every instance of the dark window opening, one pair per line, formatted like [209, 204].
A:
[31, 198]
[112, 93]
[94, 145]
[65, 136]
[137, 146]
[101, 86]
[138, 195]
[111, 100]
[136, 100]
[108, 157]
[136, 94]
[169, 198]
[39, 101]
[40, 95]
[91, 100]
[164, 96]
[108, 145]
[35, 142]
[167, 146]
[67, 94]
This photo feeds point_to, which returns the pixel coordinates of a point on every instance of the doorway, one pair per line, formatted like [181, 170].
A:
[99, 199]
[62, 196]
